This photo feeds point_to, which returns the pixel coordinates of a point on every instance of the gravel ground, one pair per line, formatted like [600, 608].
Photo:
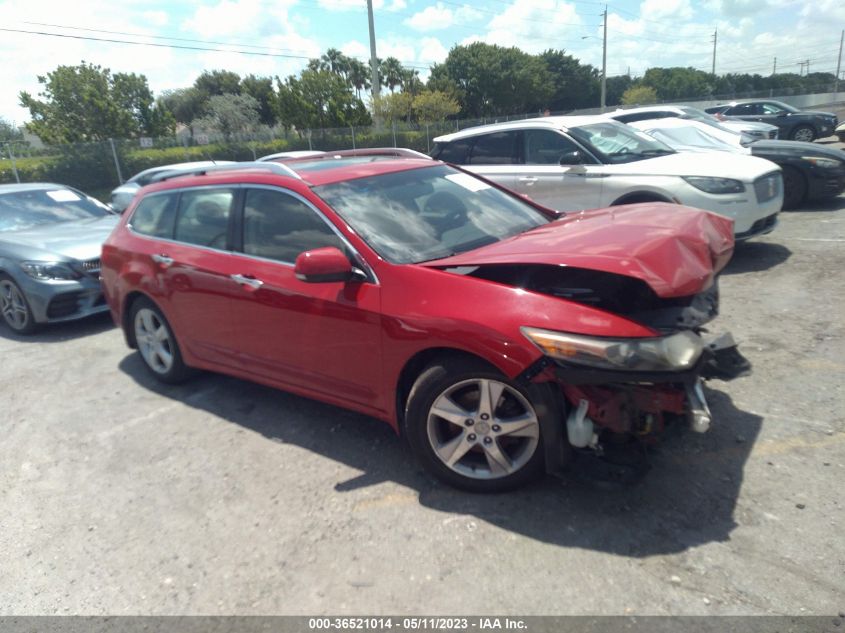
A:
[121, 496]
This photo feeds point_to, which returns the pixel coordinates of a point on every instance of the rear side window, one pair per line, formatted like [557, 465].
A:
[203, 217]
[280, 227]
[745, 109]
[154, 215]
[456, 152]
[494, 149]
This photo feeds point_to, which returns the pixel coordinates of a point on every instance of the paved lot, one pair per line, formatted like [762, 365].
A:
[120, 496]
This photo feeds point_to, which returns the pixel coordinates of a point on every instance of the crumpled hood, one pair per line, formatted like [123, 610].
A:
[676, 250]
[80, 239]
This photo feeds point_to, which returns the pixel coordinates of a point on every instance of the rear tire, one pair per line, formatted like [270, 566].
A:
[157, 344]
[15, 308]
[473, 428]
[794, 188]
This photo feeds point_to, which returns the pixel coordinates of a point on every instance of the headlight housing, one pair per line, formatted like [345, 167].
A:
[666, 353]
[824, 163]
[45, 271]
[715, 185]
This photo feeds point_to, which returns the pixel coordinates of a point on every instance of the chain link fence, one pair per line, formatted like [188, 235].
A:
[99, 167]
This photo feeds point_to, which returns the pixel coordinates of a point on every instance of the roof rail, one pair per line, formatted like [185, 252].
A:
[395, 152]
[277, 168]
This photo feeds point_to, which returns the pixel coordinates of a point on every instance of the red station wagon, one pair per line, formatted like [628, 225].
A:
[499, 337]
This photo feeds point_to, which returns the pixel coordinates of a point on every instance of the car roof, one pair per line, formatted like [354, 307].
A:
[312, 172]
[30, 186]
[539, 123]
[654, 108]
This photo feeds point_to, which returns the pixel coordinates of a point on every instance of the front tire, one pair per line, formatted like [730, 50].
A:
[804, 133]
[157, 344]
[15, 308]
[473, 428]
[794, 188]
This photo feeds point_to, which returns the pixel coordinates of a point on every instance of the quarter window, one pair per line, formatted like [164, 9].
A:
[154, 215]
[279, 226]
[203, 217]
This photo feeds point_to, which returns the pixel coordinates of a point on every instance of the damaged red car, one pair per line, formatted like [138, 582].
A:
[501, 338]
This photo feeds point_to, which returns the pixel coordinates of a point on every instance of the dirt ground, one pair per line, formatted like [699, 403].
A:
[121, 496]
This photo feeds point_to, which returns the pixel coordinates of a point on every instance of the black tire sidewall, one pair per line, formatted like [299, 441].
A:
[797, 180]
[179, 371]
[435, 379]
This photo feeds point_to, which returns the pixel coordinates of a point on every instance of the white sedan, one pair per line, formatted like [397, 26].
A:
[587, 162]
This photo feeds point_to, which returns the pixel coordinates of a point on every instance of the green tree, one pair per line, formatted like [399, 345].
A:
[616, 87]
[230, 114]
[88, 103]
[185, 104]
[325, 99]
[391, 73]
[679, 83]
[575, 86]
[359, 76]
[9, 132]
[261, 89]
[639, 95]
[218, 82]
[495, 80]
[434, 106]
[394, 107]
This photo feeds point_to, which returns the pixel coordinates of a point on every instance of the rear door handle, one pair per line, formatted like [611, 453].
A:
[162, 259]
[247, 280]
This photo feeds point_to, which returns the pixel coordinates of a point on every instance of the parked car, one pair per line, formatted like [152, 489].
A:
[840, 132]
[751, 130]
[50, 240]
[494, 334]
[587, 162]
[122, 195]
[810, 171]
[303, 153]
[794, 124]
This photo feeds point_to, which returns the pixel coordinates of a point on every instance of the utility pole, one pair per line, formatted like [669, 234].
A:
[373, 61]
[715, 37]
[808, 67]
[604, 64]
[775, 67]
[838, 63]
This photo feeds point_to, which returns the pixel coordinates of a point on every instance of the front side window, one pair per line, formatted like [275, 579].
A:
[456, 152]
[203, 217]
[280, 227]
[772, 108]
[618, 143]
[428, 213]
[494, 149]
[745, 109]
[544, 147]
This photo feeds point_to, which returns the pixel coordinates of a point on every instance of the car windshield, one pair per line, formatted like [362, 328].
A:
[618, 143]
[689, 138]
[25, 209]
[428, 213]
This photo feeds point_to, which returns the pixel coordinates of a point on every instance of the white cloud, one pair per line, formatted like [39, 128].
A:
[156, 18]
[431, 18]
[660, 9]
[432, 51]
[535, 25]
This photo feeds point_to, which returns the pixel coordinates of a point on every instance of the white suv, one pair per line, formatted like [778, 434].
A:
[588, 162]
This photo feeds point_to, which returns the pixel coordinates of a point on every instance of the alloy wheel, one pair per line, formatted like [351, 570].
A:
[154, 340]
[13, 305]
[483, 428]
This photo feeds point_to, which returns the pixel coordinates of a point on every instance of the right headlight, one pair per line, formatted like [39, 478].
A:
[826, 163]
[715, 185]
[666, 353]
[44, 271]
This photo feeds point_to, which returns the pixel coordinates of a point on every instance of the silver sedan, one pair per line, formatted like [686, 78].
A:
[50, 241]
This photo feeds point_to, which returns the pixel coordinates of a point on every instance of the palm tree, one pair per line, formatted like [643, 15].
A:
[391, 72]
[359, 76]
[336, 62]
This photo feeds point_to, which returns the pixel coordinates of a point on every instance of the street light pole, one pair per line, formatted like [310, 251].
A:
[373, 61]
[604, 64]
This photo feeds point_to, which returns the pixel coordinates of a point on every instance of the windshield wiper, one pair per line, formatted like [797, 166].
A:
[656, 152]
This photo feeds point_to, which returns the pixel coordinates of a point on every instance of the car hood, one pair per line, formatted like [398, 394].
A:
[715, 165]
[748, 125]
[80, 239]
[794, 148]
[676, 250]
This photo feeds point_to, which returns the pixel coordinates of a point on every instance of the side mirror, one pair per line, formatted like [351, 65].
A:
[572, 158]
[322, 265]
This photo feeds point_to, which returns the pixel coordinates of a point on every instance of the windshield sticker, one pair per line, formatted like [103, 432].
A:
[63, 195]
[468, 182]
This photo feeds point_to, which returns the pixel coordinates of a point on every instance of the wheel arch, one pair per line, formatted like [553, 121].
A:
[641, 196]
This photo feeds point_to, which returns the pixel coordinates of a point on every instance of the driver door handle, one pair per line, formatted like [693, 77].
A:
[162, 259]
[246, 280]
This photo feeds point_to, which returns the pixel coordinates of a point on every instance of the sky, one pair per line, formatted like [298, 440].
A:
[283, 34]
